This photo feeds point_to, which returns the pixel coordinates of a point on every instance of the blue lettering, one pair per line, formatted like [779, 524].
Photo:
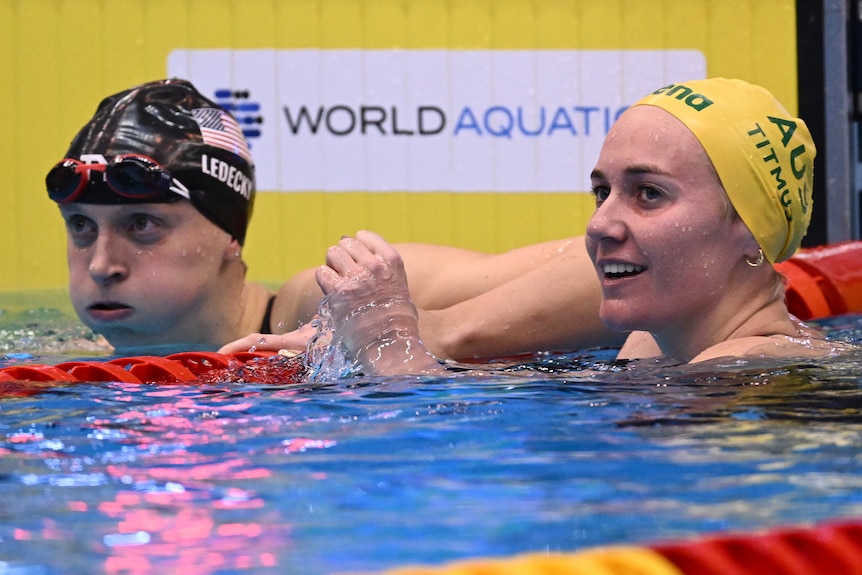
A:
[505, 122]
[467, 121]
[586, 112]
[560, 121]
[506, 128]
[535, 132]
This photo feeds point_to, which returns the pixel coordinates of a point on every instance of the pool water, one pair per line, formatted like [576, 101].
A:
[562, 453]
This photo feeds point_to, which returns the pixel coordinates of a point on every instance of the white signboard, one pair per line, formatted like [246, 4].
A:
[429, 120]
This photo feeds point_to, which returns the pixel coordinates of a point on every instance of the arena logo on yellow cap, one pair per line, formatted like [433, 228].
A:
[685, 94]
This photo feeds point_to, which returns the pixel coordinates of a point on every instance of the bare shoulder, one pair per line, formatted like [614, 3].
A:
[806, 344]
[255, 298]
[639, 345]
[296, 302]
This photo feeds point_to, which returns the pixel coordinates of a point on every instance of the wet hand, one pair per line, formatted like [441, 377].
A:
[369, 302]
[362, 269]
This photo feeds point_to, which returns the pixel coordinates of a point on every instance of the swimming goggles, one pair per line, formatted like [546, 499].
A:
[129, 175]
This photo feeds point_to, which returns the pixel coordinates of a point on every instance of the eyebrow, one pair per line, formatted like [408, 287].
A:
[637, 169]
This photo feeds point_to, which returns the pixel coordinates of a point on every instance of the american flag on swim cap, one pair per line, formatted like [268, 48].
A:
[220, 130]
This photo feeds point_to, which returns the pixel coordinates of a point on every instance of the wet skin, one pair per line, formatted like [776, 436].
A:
[663, 240]
[146, 274]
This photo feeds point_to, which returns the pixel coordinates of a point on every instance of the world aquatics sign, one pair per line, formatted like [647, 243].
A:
[495, 122]
[429, 120]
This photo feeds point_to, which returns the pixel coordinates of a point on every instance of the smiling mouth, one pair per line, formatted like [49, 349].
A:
[614, 271]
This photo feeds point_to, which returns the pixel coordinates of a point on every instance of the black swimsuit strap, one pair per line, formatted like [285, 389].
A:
[267, 317]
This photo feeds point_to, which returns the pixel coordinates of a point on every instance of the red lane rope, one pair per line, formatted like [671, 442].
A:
[827, 549]
[187, 367]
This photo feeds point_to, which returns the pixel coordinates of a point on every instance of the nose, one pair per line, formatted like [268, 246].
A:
[608, 221]
[107, 264]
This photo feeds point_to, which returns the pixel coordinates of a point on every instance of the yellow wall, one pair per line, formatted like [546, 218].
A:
[60, 57]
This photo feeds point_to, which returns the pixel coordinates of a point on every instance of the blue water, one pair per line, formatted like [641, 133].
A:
[364, 474]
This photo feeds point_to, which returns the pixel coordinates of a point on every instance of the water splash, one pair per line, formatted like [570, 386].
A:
[325, 358]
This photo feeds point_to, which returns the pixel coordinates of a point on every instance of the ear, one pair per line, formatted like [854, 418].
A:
[749, 246]
[232, 251]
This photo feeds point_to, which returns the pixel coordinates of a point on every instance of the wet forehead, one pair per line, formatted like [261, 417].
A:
[649, 138]
[106, 212]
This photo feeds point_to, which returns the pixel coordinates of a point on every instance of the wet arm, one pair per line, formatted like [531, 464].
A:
[539, 297]
[552, 307]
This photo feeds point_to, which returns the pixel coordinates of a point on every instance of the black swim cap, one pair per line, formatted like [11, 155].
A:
[194, 139]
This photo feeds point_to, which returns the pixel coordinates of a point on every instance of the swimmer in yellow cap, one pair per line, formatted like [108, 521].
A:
[700, 187]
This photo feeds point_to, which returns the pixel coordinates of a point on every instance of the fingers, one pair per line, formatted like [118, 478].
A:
[347, 256]
[327, 279]
[359, 258]
[367, 250]
[294, 341]
[374, 242]
[242, 344]
[383, 250]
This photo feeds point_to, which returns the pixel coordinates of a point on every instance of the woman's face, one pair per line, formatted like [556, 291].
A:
[663, 238]
[146, 274]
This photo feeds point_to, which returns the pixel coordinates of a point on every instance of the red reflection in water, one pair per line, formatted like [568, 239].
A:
[194, 524]
[184, 510]
[185, 538]
[181, 532]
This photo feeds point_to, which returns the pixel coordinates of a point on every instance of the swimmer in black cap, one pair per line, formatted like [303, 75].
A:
[157, 190]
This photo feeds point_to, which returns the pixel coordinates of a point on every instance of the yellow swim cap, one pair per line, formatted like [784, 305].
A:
[764, 157]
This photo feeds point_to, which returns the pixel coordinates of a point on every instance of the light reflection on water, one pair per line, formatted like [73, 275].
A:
[367, 474]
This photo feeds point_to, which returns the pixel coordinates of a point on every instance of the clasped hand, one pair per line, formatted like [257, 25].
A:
[374, 318]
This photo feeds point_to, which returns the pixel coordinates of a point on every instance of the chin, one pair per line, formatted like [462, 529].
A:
[620, 319]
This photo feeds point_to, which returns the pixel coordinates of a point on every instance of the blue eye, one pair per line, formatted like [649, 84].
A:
[142, 222]
[601, 193]
[82, 230]
[650, 193]
[80, 224]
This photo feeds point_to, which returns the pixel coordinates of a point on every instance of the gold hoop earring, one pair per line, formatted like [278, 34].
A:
[758, 262]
